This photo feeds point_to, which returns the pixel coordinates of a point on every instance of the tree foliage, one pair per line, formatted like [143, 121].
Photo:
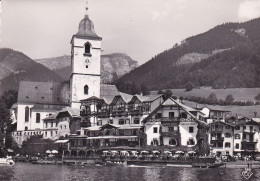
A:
[237, 66]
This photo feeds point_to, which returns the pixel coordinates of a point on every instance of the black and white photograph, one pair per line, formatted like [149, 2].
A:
[129, 90]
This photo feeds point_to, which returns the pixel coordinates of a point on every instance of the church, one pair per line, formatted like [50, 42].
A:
[42, 107]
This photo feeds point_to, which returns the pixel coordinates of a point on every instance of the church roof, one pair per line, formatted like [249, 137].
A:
[108, 90]
[86, 29]
[43, 92]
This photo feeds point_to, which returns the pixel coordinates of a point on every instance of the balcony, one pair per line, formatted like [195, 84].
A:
[165, 120]
[119, 113]
[173, 134]
[250, 131]
[217, 139]
[85, 113]
[103, 114]
[136, 112]
[85, 124]
[249, 141]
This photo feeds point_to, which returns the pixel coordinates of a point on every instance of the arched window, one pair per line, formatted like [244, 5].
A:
[27, 112]
[173, 141]
[86, 89]
[191, 141]
[227, 135]
[237, 136]
[26, 128]
[227, 145]
[87, 48]
[38, 117]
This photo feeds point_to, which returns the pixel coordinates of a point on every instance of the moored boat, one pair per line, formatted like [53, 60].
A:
[7, 161]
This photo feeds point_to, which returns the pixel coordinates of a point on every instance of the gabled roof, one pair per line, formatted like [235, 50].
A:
[73, 112]
[43, 92]
[148, 98]
[44, 107]
[222, 122]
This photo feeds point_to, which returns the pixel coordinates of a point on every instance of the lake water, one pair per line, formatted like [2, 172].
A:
[31, 172]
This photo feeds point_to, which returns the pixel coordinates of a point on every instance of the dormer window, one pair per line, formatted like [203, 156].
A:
[87, 48]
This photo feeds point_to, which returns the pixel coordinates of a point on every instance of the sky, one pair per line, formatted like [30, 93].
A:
[139, 28]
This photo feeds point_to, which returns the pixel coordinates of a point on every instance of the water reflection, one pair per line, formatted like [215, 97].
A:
[27, 171]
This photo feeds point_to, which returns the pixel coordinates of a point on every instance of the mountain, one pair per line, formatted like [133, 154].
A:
[112, 66]
[226, 56]
[16, 66]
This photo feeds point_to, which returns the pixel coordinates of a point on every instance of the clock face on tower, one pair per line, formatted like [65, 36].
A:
[87, 62]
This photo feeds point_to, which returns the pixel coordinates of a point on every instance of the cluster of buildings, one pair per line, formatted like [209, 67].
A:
[87, 115]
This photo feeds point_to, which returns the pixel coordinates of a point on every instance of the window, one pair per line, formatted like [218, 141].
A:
[86, 89]
[51, 133]
[155, 130]
[38, 117]
[191, 130]
[171, 114]
[51, 124]
[170, 129]
[61, 127]
[175, 128]
[227, 145]
[158, 115]
[227, 127]
[134, 132]
[191, 141]
[237, 145]
[110, 121]
[251, 127]
[220, 144]
[184, 115]
[172, 141]
[121, 121]
[26, 128]
[136, 121]
[227, 135]
[87, 48]
[56, 132]
[56, 124]
[127, 121]
[46, 125]
[237, 127]
[237, 136]
[99, 122]
[27, 112]
[45, 133]
[244, 136]
[244, 127]
[65, 127]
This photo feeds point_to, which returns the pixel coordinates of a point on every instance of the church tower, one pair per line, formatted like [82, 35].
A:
[85, 63]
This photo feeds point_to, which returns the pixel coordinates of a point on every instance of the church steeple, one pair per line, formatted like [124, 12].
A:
[85, 62]
[86, 26]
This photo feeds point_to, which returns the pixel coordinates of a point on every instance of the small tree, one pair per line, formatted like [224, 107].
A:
[189, 87]
[212, 99]
[167, 94]
[229, 99]
[257, 97]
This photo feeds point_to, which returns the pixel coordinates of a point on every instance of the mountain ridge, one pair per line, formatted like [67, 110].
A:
[241, 42]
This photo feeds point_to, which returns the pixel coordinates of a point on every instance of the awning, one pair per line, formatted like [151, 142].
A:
[61, 141]
[108, 137]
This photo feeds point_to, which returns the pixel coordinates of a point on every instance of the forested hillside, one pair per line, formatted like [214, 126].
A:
[16, 66]
[226, 56]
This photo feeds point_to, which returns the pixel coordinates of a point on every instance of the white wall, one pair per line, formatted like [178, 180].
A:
[184, 132]
[149, 127]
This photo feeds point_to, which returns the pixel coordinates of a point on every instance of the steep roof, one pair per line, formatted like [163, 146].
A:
[43, 92]
[108, 90]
